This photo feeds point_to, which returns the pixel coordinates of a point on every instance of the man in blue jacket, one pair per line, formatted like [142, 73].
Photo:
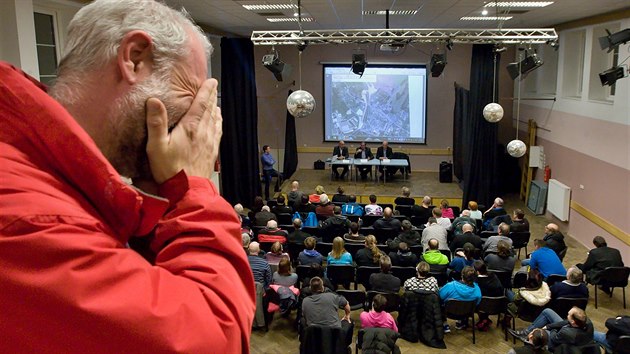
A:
[268, 171]
[464, 290]
[545, 260]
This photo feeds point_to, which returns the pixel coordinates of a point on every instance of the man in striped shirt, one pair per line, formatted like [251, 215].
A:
[260, 267]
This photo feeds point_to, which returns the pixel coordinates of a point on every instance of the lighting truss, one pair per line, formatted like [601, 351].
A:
[474, 36]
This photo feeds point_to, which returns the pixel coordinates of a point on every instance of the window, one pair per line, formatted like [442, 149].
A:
[601, 60]
[573, 68]
[45, 39]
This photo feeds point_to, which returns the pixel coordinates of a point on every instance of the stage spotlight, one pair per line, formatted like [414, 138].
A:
[498, 49]
[610, 76]
[611, 41]
[279, 69]
[449, 44]
[358, 63]
[438, 62]
[527, 65]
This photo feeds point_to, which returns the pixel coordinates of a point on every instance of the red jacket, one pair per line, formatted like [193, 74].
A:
[69, 283]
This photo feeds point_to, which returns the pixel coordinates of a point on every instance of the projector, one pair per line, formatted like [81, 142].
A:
[391, 47]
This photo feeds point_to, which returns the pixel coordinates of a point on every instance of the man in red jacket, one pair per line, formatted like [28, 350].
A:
[120, 155]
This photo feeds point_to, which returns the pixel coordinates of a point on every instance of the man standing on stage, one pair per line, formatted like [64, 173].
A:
[384, 152]
[363, 152]
[268, 171]
[340, 152]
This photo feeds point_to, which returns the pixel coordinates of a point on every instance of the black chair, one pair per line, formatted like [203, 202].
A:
[329, 233]
[340, 274]
[478, 224]
[563, 253]
[418, 221]
[320, 339]
[386, 205]
[456, 211]
[404, 209]
[285, 219]
[403, 273]
[526, 312]
[356, 298]
[613, 277]
[256, 230]
[294, 250]
[622, 346]
[494, 305]
[591, 348]
[272, 203]
[441, 277]
[324, 248]
[417, 250]
[363, 276]
[461, 310]
[393, 301]
[382, 235]
[368, 220]
[520, 240]
[352, 218]
[353, 248]
[562, 305]
[383, 248]
[505, 277]
[555, 278]
[519, 280]
[311, 230]
[302, 272]
[448, 254]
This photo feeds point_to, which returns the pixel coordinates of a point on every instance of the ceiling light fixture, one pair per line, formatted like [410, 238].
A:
[264, 7]
[358, 63]
[610, 76]
[513, 4]
[437, 65]
[288, 19]
[524, 67]
[485, 18]
[279, 69]
[391, 12]
[484, 12]
[613, 40]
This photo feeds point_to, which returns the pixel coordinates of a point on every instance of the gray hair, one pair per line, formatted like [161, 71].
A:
[272, 224]
[265, 208]
[95, 33]
[323, 199]
[238, 208]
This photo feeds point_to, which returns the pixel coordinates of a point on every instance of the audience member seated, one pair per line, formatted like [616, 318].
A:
[405, 198]
[617, 327]
[336, 223]
[545, 260]
[489, 285]
[424, 210]
[447, 212]
[536, 343]
[297, 236]
[281, 208]
[475, 213]
[403, 257]
[433, 256]
[245, 222]
[384, 281]
[495, 210]
[466, 237]
[373, 208]
[340, 197]
[408, 235]
[503, 260]
[519, 223]
[294, 197]
[465, 218]
[554, 238]
[434, 231]
[246, 241]
[573, 287]
[442, 221]
[598, 259]
[273, 229]
[276, 254]
[352, 207]
[310, 255]
[321, 309]
[263, 216]
[284, 276]
[378, 317]
[576, 330]
[490, 246]
[325, 207]
[257, 206]
[463, 258]
[260, 267]
[422, 281]
[353, 236]
[535, 292]
[464, 290]
[370, 255]
[387, 221]
[306, 206]
[339, 255]
[315, 270]
[314, 198]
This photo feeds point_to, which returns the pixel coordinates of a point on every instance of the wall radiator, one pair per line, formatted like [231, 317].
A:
[558, 199]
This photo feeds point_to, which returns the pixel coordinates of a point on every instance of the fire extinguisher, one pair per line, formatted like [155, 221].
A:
[547, 174]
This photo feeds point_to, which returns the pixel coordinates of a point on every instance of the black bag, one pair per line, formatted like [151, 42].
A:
[446, 172]
[319, 165]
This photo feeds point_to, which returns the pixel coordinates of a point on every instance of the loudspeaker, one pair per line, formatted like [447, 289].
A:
[438, 62]
[446, 172]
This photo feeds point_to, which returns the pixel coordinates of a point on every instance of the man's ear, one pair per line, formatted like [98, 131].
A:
[135, 56]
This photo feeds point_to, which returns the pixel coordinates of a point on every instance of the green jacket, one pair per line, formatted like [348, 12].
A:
[435, 257]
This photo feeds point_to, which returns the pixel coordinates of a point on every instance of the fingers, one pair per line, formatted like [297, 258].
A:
[157, 123]
[205, 100]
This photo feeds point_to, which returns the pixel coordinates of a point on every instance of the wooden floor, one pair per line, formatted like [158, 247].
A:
[282, 338]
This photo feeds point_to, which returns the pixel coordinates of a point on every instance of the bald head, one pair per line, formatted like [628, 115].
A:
[551, 228]
[295, 185]
[387, 213]
[467, 228]
[498, 202]
[254, 248]
[426, 200]
[466, 212]
[272, 224]
[434, 244]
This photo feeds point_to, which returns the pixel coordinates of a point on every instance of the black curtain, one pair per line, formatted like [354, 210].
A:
[290, 146]
[460, 114]
[480, 167]
[240, 174]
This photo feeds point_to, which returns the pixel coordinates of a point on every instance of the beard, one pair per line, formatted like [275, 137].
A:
[128, 127]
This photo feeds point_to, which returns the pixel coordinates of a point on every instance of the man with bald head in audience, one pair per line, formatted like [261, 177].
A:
[495, 210]
[466, 237]
[294, 197]
[259, 266]
[490, 246]
[456, 225]
[423, 211]
[554, 238]
[387, 221]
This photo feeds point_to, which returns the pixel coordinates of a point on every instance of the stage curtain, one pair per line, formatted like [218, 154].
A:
[480, 140]
[460, 114]
[290, 146]
[240, 174]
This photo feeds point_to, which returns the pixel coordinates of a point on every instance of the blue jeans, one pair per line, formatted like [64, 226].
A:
[267, 176]
[548, 316]
[600, 338]
[509, 294]
[525, 262]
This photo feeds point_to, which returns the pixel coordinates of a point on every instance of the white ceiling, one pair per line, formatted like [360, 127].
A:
[230, 16]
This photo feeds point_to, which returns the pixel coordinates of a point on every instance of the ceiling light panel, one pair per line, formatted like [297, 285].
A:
[485, 18]
[267, 7]
[288, 19]
[391, 12]
[518, 3]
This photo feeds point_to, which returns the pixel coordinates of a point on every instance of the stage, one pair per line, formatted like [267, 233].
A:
[420, 184]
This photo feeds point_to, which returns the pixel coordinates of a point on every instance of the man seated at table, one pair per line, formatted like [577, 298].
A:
[384, 152]
[340, 152]
[364, 152]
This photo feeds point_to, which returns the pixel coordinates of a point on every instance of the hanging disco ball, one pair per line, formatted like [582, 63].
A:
[516, 148]
[493, 112]
[300, 103]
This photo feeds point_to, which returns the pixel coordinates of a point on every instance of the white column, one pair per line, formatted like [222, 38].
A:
[17, 35]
